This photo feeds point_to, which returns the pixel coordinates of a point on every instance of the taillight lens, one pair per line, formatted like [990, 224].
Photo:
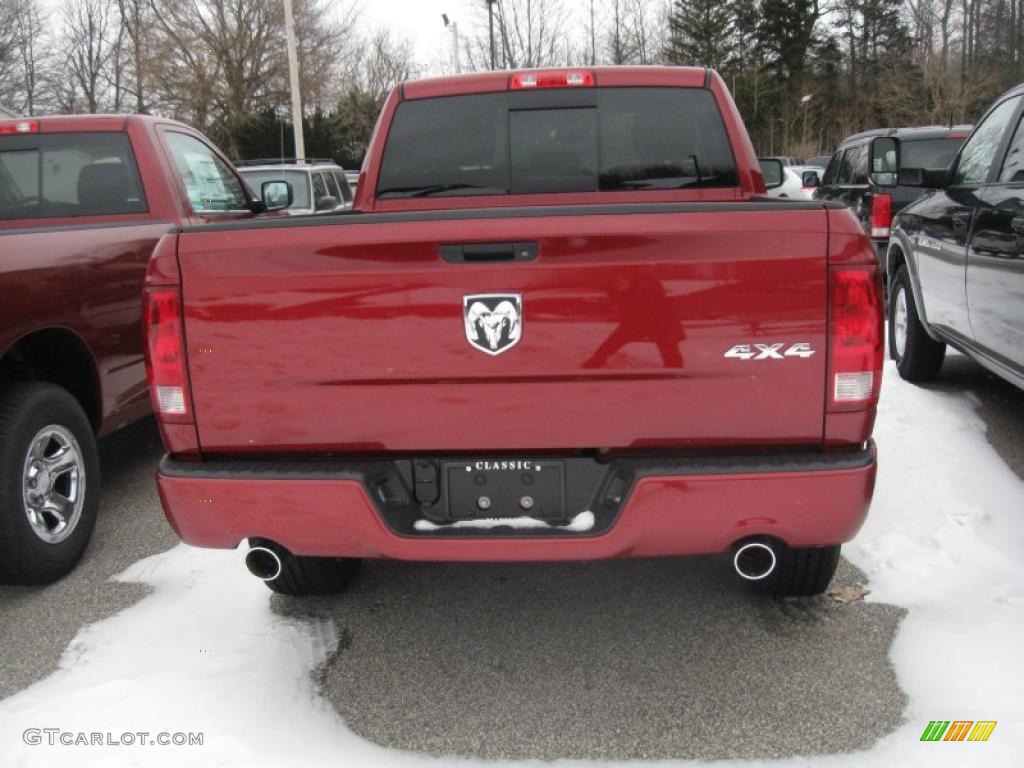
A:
[854, 337]
[165, 354]
[881, 215]
[563, 79]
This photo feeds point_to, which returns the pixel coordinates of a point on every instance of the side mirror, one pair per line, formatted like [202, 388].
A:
[772, 172]
[809, 180]
[276, 195]
[926, 178]
[327, 203]
[885, 161]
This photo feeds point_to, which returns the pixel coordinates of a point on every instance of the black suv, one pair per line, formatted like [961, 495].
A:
[851, 179]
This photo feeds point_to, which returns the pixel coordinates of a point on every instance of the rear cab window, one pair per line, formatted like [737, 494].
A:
[932, 154]
[56, 175]
[606, 139]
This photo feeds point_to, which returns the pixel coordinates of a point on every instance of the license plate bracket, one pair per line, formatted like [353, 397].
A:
[505, 488]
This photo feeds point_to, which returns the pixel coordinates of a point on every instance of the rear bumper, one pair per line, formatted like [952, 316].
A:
[702, 507]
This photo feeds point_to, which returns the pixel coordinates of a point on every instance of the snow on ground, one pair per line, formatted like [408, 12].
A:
[943, 539]
[584, 521]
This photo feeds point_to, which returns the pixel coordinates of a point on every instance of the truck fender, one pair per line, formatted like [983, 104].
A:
[900, 245]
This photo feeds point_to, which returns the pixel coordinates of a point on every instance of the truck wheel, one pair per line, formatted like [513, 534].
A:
[800, 571]
[309, 575]
[49, 483]
[918, 356]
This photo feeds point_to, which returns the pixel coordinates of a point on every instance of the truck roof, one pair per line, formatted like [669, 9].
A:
[490, 82]
[68, 123]
[910, 134]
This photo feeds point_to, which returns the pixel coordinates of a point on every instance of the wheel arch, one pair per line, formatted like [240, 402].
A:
[59, 356]
[899, 254]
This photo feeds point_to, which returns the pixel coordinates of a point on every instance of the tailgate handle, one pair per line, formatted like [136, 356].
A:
[485, 253]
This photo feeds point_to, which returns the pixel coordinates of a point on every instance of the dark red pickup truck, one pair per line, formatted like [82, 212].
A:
[560, 324]
[83, 201]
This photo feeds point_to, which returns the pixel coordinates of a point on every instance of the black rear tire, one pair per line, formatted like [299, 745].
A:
[800, 572]
[26, 409]
[306, 576]
[922, 356]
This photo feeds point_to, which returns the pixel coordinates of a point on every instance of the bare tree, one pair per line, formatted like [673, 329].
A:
[619, 38]
[134, 41]
[88, 25]
[223, 61]
[384, 62]
[8, 49]
[33, 52]
[533, 32]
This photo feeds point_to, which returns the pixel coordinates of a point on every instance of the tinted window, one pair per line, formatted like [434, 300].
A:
[553, 150]
[68, 174]
[929, 153]
[298, 179]
[831, 172]
[663, 138]
[979, 152]
[210, 184]
[846, 166]
[860, 164]
[342, 182]
[622, 139]
[1013, 166]
[459, 144]
[319, 188]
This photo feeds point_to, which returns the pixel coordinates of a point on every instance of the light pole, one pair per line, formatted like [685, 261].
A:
[806, 102]
[490, 21]
[293, 77]
[455, 42]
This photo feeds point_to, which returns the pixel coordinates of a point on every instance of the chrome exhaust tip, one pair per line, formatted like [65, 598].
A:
[754, 561]
[263, 563]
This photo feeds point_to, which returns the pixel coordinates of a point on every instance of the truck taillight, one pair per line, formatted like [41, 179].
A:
[854, 337]
[9, 127]
[563, 79]
[881, 215]
[165, 354]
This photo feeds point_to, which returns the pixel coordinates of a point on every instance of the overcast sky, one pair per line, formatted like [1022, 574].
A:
[420, 21]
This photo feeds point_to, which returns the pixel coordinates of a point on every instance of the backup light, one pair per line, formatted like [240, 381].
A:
[881, 215]
[854, 337]
[165, 353]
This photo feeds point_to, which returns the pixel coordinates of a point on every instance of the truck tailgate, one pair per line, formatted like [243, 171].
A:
[351, 334]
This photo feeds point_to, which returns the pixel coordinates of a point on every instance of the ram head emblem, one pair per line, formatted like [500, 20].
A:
[494, 321]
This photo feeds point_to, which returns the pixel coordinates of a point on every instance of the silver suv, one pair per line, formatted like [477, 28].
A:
[318, 186]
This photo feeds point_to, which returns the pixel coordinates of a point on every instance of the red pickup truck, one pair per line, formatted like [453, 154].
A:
[561, 323]
[83, 201]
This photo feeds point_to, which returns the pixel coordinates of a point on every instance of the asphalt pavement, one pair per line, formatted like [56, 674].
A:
[666, 658]
[1000, 405]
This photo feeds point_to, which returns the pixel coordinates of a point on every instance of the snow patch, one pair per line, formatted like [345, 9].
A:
[584, 521]
[943, 539]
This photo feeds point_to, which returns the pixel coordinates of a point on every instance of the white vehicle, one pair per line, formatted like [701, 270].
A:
[794, 180]
[318, 186]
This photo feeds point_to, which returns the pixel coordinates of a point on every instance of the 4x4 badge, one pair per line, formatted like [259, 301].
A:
[494, 321]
